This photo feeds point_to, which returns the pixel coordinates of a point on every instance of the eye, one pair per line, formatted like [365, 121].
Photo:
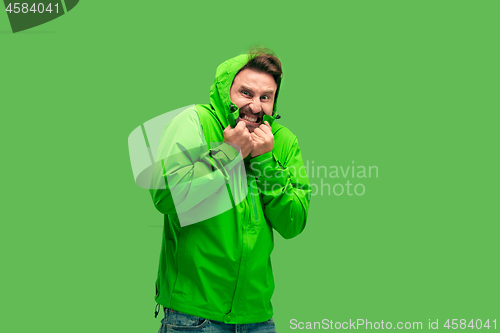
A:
[246, 93]
[265, 97]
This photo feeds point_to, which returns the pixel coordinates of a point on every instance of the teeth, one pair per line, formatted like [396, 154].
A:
[249, 118]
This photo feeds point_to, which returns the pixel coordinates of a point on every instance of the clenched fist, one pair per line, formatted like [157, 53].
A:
[263, 139]
[239, 137]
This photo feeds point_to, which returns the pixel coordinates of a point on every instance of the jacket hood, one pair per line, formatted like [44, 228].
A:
[225, 110]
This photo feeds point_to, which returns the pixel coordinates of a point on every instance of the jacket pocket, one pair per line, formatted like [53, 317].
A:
[255, 205]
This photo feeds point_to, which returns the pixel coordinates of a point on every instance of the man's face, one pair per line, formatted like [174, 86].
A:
[253, 93]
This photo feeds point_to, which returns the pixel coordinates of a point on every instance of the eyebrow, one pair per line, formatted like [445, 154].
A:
[269, 92]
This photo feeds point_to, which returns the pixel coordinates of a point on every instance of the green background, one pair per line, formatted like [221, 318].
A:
[408, 86]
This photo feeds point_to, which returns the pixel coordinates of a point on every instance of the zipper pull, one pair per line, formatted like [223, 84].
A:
[157, 310]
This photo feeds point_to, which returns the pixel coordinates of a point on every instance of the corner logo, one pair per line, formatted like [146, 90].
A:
[28, 14]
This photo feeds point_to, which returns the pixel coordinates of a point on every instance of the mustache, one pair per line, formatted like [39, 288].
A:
[246, 109]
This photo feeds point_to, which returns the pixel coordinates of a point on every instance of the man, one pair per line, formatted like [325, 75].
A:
[232, 176]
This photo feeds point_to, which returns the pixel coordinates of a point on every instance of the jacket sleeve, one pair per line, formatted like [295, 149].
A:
[187, 172]
[285, 190]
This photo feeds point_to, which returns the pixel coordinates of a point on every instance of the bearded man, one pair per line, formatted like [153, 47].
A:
[232, 178]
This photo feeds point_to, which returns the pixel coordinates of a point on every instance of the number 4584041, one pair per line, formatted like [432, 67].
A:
[462, 324]
[24, 8]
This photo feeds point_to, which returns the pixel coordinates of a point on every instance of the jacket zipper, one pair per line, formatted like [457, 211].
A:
[244, 244]
[242, 262]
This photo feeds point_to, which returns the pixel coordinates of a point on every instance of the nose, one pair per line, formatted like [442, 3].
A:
[256, 105]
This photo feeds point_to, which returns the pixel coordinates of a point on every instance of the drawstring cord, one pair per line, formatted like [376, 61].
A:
[157, 309]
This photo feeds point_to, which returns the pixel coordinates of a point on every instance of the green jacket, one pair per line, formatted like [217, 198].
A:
[218, 235]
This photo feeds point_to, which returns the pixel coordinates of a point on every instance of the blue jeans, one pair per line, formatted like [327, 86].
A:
[175, 321]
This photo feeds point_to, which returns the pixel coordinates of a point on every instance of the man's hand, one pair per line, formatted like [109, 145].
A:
[239, 137]
[263, 139]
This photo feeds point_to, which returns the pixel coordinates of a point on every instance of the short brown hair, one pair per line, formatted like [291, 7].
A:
[264, 60]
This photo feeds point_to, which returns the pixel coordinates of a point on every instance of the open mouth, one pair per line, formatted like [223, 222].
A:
[251, 119]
